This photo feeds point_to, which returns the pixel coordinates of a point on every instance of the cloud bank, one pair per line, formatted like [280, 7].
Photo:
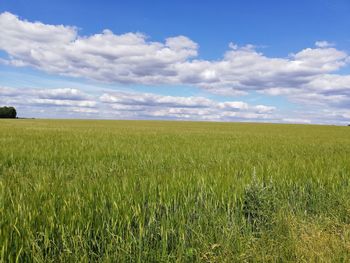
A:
[132, 105]
[308, 77]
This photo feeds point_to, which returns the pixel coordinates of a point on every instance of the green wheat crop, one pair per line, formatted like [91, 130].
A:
[153, 191]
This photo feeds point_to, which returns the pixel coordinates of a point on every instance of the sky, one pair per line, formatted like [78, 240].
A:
[249, 61]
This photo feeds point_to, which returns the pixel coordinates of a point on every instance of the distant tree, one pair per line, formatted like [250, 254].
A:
[8, 112]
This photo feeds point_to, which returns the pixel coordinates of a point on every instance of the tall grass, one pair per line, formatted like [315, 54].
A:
[148, 191]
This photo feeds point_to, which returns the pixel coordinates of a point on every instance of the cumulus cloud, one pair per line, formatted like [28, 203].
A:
[125, 58]
[148, 99]
[194, 108]
[62, 94]
[327, 90]
[46, 97]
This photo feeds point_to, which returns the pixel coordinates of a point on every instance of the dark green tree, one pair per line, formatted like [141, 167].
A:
[8, 112]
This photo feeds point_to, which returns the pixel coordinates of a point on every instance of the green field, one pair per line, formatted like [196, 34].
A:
[153, 191]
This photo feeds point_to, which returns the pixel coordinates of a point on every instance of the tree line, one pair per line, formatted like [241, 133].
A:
[8, 112]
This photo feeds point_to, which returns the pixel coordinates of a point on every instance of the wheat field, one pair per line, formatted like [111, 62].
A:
[162, 191]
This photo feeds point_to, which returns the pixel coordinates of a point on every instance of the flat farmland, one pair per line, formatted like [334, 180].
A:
[162, 191]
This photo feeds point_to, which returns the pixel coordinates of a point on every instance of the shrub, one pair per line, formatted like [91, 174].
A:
[259, 203]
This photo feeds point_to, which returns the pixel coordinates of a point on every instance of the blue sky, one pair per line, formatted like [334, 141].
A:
[270, 61]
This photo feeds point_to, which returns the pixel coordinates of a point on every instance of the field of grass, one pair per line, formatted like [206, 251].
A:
[152, 191]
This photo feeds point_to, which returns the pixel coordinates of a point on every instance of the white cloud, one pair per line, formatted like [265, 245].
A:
[62, 94]
[126, 58]
[129, 98]
[233, 105]
[321, 60]
[46, 97]
[195, 108]
[295, 120]
[52, 102]
[323, 44]
[33, 34]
